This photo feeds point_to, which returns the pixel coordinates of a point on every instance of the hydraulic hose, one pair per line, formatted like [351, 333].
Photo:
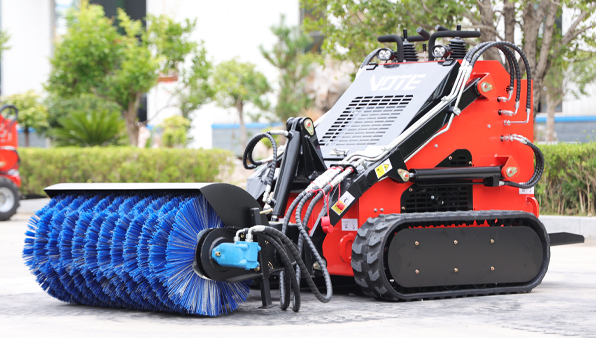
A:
[314, 251]
[252, 164]
[294, 252]
[309, 210]
[251, 146]
[477, 51]
[285, 286]
[289, 270]
[538, 169]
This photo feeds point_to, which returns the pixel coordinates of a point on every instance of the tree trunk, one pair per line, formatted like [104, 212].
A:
[488, 34]
[26, 132]
[130, 118]
[240, 108]
[509, 18]
[532, 20]
[551, 105]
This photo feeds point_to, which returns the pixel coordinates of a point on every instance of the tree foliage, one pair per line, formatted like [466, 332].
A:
[59, 107]
[568, 77]
[33, 115]
[175, 131]
[294, 65]
[4, 37]
[194, 89]
[351, 26]
[93, 57]
[89, 129]
[239, 83]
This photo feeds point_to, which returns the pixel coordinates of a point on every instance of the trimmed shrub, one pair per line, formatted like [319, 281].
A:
[41, 168]
[568, 186]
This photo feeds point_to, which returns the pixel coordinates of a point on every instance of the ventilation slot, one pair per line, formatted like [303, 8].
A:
[365, 121]
[458, 161]
[444, 198]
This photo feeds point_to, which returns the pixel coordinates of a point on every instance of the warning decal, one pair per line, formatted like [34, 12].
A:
[344, 201]
[384, 168]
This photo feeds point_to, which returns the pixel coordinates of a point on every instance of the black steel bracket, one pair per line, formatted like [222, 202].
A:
[391, 166]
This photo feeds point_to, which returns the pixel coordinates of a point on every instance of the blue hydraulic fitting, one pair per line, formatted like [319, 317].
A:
[238, 255]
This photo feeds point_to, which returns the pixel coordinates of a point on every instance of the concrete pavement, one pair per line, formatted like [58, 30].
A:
[563, 305]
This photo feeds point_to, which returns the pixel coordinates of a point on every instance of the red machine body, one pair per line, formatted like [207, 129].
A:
[9, 158]
[478, 129]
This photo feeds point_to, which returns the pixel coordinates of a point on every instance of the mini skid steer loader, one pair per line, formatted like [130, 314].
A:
[418, 183]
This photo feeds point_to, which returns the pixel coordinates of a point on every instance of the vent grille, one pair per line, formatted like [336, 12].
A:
[365, 121]
[444, 198]
[457, 161]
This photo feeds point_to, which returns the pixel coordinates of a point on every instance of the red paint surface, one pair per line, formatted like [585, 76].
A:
[470, 130]
[8, 158]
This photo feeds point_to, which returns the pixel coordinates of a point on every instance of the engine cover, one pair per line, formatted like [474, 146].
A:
[380, 104]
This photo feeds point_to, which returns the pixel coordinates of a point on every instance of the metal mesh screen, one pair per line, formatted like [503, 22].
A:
[365, 120]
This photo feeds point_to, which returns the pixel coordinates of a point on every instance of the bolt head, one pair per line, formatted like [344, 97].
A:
[382, 209]
[417, 271]
[410, 190]
[455, 270]
[492, 241]
[403, 208]
[455, 242]
[257, 269]
[488, 126]
[217, 253]
[492, 268]
[450, 157]
[486, 87]
[436, 145]
[375, 209]
[416, 243]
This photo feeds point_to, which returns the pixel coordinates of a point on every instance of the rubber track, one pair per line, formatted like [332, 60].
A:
[368, 249]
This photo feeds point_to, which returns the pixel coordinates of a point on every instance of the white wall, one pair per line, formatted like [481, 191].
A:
[26, 64]
[230, 29]
[585, 105]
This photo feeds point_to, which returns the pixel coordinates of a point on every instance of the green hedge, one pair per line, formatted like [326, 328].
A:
[568, 186]
[43, 167]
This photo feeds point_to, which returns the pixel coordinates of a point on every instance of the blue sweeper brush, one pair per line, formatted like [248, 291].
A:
[182, 248]
[128, 249]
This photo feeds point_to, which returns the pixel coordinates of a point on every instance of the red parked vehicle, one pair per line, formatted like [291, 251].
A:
[10, 181]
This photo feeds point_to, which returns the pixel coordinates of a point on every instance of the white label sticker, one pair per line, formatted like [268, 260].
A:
[526, 191]
[349, 224]
[344, 201]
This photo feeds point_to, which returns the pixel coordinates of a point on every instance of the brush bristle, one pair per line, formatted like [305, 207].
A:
[133, 251]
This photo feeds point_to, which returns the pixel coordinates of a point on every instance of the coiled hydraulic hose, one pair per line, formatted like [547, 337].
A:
[291, 275]
[477, 51]
[249, 163]
[294, 252]
[538, 168]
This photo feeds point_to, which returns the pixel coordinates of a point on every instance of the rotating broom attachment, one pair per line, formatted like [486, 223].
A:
[127, 251]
